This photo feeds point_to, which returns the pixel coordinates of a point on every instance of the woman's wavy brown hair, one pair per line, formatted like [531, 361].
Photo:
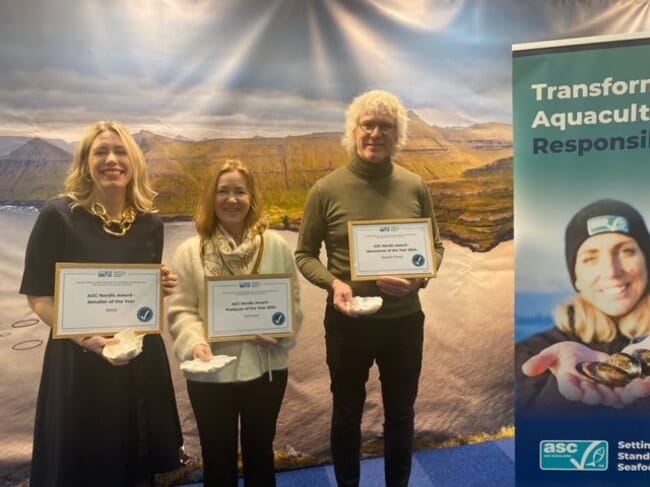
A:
[205, 217]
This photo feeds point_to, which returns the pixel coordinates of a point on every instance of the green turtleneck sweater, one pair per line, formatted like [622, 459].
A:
[360, 191]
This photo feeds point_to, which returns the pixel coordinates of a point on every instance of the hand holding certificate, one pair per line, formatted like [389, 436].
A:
[104, 299]
[399, 248]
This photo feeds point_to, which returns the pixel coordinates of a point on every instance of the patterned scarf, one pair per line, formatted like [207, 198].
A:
[222, 256]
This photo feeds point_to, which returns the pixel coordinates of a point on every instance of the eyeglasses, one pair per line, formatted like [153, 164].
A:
[384, 127]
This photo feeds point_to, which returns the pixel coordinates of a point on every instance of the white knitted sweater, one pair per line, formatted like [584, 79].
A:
[186, 314]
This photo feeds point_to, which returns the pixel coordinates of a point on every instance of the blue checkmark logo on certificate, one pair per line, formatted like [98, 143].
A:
[145, 314]
[418, 260]
[278, 318]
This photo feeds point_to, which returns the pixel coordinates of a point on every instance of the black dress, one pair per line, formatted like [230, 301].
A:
[97, 424]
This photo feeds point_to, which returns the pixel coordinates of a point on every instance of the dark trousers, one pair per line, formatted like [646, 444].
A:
[219, 409]
[353, 344]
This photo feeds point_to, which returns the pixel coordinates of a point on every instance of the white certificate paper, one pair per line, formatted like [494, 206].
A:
[103, 299]
[241, 307]
[400, 248]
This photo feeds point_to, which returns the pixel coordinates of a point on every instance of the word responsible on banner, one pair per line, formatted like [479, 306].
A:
[583, 145]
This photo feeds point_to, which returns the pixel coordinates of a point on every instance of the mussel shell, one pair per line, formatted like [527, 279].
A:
[604, 373]
[629, 363]
[643, 356]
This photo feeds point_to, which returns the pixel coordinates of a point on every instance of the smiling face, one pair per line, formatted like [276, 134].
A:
[232, 202]
[375, 137]
[611, 273]
[109, 165]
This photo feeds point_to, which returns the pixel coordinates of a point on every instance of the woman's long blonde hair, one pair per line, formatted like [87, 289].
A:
[578, 316]
[205, 217]
[79, 185]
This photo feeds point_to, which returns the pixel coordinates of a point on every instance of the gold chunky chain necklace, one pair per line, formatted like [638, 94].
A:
[117, 228]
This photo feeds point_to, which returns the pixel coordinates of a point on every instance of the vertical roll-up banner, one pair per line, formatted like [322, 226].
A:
[582, 200]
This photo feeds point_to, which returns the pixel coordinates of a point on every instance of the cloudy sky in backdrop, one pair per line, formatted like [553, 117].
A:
[239, 68]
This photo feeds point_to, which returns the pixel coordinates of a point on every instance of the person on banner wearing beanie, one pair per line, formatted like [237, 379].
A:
[607, 250]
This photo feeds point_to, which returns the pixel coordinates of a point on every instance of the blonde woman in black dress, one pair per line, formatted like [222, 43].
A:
[100, 421]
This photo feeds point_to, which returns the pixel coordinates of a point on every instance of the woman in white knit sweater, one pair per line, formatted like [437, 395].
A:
[232, 240]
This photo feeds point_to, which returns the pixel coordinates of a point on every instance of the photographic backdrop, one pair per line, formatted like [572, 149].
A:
[198, 81]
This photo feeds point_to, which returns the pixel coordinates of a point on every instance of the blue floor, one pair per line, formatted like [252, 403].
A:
[483, 465]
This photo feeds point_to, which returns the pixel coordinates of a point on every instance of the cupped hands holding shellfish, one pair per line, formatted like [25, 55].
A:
[593, 377]
[561, 360]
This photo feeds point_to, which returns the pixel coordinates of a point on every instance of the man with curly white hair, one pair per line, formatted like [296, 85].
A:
[369, 187]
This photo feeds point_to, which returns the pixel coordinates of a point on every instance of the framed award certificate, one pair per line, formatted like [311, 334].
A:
[241, 307]
[103, 299]
[400, 248]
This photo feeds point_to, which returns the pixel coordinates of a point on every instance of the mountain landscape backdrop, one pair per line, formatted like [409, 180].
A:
[468, 169]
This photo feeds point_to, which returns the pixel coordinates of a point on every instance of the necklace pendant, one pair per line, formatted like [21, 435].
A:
[116, 228]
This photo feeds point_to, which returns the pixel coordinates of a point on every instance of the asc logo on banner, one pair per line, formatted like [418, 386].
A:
[587, 455]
